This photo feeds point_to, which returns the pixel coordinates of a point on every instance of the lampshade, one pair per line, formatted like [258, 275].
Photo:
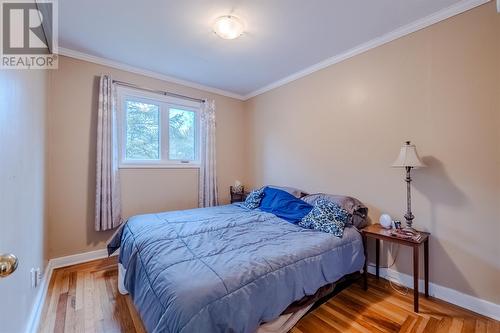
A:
[408, 157]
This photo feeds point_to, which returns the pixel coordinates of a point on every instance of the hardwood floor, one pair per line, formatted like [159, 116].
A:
[84, 298]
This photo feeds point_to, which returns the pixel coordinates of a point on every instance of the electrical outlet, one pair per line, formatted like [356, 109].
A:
[39, 276]
[36, 277]
[33, 277]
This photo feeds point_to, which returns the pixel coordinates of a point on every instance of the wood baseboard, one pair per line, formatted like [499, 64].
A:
[483, 307]
[472, 303]
[36, 312]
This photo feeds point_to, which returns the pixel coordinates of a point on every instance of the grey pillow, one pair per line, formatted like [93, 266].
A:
[293, 191]
[353, 206]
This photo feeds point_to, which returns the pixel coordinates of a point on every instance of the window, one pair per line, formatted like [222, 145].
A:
[143, 131]
[156, 130]
[181, 134]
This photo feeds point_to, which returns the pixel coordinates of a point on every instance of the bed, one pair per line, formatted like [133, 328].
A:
[227, 268]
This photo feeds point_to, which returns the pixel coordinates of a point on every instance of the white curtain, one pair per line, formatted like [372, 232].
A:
[107, 200]
[208, 193]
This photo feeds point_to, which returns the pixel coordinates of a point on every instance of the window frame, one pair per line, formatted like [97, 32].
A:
[165, 103]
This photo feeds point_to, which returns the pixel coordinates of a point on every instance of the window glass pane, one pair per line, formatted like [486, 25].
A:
[182, 137]
[143, 131]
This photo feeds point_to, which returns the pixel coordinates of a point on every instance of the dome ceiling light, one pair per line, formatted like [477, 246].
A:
[228, 27]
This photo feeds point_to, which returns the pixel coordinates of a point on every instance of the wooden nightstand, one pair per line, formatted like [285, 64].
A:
[237, 196]
[378, 233]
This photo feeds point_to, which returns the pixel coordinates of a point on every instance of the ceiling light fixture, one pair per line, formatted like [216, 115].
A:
[228, 27]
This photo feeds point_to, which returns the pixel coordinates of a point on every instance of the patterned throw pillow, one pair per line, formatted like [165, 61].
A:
[326, 216]
[254, 198]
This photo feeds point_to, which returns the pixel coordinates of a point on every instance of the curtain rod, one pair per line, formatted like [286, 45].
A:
[161, 92]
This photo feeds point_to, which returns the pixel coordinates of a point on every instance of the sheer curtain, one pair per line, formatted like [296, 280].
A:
[107, 200]
[208, 193]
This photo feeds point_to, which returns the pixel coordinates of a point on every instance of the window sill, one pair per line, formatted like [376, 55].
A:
[159, 166]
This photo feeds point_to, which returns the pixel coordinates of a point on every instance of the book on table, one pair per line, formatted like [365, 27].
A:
[406, 234]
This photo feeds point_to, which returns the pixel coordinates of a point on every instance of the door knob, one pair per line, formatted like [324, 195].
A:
[8, 264]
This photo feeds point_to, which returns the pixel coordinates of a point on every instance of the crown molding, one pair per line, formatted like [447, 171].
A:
[122, 66]
[425, 22]
[429, 20]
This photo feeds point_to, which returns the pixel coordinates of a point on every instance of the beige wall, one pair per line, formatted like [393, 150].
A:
[22, 188]
[71, 157]
[338, 131]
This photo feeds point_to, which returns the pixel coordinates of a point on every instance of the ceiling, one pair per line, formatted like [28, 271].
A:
[283, 37]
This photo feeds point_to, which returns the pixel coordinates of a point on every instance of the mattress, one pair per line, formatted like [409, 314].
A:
[226, 268]
[282, 324]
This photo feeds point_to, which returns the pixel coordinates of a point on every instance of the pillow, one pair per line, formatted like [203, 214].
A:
[284, 205]
[326, 216]
[292, 190]
[353, 206]
[254, 198]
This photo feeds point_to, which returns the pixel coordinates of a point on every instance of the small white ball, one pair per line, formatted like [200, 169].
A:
[385, 221]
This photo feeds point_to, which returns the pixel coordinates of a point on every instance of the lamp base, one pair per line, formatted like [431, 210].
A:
[411, 230]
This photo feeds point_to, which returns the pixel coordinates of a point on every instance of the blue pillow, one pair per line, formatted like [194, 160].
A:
[284, 205]
[254, 198]
[326, 216]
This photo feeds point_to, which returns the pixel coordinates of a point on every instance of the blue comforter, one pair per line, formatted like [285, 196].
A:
[226, 268]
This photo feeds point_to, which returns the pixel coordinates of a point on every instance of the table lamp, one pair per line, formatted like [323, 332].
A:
[408, 159]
